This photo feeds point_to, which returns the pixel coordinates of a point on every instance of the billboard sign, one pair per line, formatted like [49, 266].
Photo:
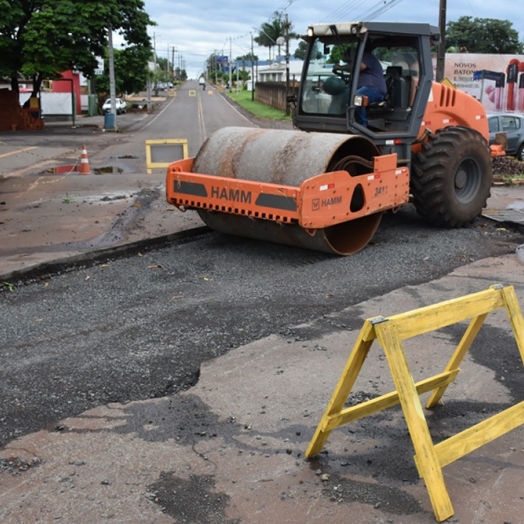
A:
[496, 80]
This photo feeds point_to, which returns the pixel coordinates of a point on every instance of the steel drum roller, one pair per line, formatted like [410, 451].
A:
[287, 158]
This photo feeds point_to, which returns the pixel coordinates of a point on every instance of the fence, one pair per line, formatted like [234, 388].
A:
[273, 94]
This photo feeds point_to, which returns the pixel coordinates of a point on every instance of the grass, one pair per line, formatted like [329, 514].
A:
[258, 109]
[7, 285]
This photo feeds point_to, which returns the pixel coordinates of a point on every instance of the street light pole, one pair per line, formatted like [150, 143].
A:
[230, 64]
[287, 65]
[252, 70]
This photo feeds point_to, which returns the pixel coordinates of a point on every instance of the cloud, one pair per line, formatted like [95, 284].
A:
[199, 28]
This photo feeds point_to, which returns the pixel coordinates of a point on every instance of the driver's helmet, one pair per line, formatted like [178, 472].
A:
[334, 85]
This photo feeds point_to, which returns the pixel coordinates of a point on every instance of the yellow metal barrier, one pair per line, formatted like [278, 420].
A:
[161, 153]
[390, 332]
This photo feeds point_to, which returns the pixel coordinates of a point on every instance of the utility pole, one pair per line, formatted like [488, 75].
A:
[230, 64]
[441, 51]
[287, 65]
[154, 62]
[154, 51]
[215, 68]
[252, 70]
[112, 87]
[284, 40]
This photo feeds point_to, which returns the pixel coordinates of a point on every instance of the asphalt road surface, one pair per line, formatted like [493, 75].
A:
[140, 326]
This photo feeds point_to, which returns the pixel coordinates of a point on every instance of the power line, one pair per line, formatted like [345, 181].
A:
[374, 11]
[340, 12]
[380, 10]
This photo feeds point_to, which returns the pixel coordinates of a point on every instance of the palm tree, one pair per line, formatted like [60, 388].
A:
[269, 32]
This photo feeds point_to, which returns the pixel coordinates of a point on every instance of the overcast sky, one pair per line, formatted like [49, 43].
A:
[201, 27]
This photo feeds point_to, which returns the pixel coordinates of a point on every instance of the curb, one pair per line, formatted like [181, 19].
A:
[90, 258]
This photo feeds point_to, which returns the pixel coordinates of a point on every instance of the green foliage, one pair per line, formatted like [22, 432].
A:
[336, 55]
[163, 64]
[471, 35]
[300, 51]
[258, 109]
[248, 57]
[180, 74]
[42, 38]
[270, 31]
[130, 70]
[7, 285]
[243, 75]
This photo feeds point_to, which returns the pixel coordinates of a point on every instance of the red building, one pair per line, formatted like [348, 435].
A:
[69, 83]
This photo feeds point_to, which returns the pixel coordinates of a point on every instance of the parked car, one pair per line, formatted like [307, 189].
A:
[513, 125]
[121, 106]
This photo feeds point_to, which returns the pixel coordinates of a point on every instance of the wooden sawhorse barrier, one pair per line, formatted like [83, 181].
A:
[390, 332]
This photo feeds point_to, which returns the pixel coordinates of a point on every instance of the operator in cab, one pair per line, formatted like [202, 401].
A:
[371, 83]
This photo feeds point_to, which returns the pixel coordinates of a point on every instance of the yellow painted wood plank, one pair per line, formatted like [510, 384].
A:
[351, 369]
[387, 401]
[515, 317]
[476, 436]
[458, 355]
[150, 165]
[446, 313]
[429, 466]
[343, 389]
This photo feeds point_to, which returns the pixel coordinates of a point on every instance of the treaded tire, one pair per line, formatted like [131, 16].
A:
[451, 177]
[520, 153]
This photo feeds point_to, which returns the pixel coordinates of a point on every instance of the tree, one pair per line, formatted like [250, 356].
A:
[130, 72]
[247, 58]
[164, 65]
[269, 32]
[41, 38]
[337, 54]
[469, 34]
[180, 74]
[300, 51]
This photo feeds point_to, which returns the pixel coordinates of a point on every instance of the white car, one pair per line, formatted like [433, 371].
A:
[121, 106]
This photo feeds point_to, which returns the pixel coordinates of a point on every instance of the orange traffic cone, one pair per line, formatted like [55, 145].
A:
[84, 163]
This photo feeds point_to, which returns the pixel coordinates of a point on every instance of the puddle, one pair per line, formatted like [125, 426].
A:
[107, 170]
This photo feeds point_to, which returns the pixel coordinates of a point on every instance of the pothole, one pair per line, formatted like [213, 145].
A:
[107, 170]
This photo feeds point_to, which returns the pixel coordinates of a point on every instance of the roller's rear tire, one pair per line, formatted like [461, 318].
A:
[451, 177]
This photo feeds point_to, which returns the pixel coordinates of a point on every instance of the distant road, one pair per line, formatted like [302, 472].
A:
[192, 114]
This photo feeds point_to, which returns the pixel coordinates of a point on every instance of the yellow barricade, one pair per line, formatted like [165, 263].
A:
[161, 153]
[390, 332]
